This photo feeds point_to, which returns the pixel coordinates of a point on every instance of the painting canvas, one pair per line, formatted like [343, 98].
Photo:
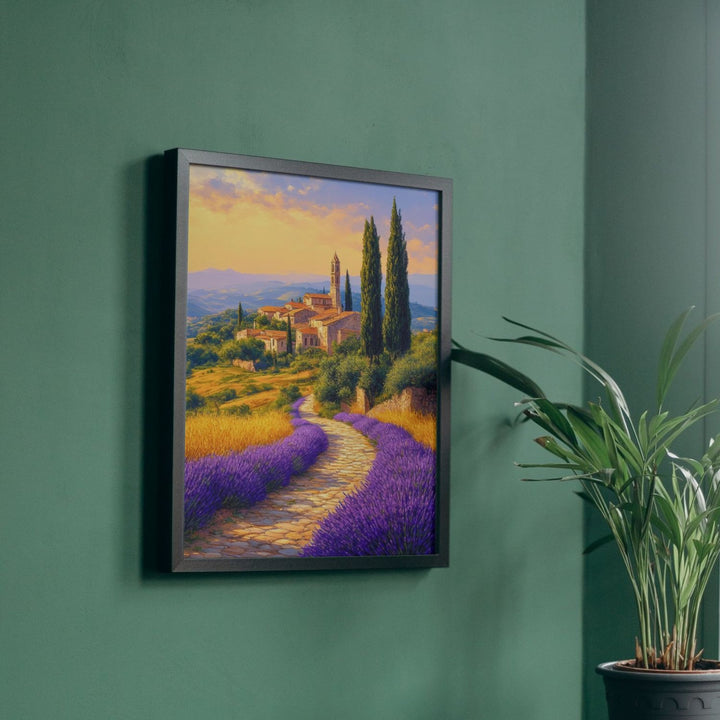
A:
[311, 365]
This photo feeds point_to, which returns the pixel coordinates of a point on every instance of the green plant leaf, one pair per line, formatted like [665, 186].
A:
[565, 453]
[558, 420]
[591, 439]
[498, 369]
[551, 466]
[542, 420]
[615, 395]
[669, 365]
[669, 515]
[565, 478]
[672, 429]
[666, 354]
[643, 432]
[666, 528]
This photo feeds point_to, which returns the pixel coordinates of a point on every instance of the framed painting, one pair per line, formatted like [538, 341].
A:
[311, 365]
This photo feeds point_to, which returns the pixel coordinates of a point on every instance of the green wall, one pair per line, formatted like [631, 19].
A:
[487, 92]
[652, 240]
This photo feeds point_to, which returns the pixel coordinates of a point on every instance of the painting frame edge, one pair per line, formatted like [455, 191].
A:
[177, 166]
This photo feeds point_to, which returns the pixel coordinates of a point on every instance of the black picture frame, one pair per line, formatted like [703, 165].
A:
[182, 167]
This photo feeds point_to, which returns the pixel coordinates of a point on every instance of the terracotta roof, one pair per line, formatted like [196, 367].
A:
[273, 334]
[272, 308]
[325, 314]
[307, 330]
[341, 316]
[294, 305]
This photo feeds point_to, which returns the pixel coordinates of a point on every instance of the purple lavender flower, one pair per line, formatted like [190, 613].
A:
[243, 479]
[393, 513]
[295, 407]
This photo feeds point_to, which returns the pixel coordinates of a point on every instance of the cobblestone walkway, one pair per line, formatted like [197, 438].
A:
[284, 522]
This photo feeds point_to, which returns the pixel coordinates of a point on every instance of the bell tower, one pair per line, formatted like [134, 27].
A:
[335, 283]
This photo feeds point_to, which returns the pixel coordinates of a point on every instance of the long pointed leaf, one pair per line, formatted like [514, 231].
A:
[552, 466]
[666, 353]
[615, 395]
[679, 355]
[566, 478]
[498, 369]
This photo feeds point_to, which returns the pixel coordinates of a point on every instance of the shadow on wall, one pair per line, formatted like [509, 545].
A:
[159, 257]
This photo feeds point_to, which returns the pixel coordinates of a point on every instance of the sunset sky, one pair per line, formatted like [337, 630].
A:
[258, 222]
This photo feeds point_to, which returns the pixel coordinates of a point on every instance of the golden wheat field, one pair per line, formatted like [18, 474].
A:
[422, 427]
[207, 434]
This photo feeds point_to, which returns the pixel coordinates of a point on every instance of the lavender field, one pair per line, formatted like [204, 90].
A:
[244, 479]
[393, 513]
[388, 511]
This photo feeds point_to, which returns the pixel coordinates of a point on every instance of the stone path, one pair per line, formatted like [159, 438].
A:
[284, 522]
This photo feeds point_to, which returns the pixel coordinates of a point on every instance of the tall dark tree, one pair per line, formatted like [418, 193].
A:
[396, 323]
[370, 289]
[348, 293]
[240, 315]
[289, 339]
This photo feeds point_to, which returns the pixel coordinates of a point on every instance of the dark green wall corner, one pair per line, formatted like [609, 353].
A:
[488, 92]
[652, 241]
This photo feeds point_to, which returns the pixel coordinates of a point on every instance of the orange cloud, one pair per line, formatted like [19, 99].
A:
[235, 226]
[422, 256]
[261, 223]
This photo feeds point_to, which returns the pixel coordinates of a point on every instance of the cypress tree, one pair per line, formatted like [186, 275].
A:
[240, 315]
[396, 323]
[370, 284]
[348, 293]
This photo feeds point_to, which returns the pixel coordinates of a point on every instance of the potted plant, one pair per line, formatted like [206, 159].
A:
[662, 511]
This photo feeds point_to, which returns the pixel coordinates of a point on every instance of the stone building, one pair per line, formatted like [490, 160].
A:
[300, 316]
[275, 341]
[318, 321]
[306, 337]
[338, 328]
[273, 311]
[318, 302]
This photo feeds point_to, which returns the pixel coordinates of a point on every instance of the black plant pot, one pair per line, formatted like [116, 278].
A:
[660, 694]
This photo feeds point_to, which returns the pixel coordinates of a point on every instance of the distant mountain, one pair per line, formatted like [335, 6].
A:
[213, 279]
[212, 291]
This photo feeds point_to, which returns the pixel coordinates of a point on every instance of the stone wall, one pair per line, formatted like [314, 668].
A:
[417, 400]
[244, 364]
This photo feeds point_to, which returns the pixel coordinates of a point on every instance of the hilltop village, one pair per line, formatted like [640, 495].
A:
[316, 322]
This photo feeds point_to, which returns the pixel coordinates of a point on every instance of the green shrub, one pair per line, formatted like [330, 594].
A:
[243, 409]
[418, 368]
[288, 395]
[338, 378]
[193, 400]
[372, 379]
[349, 346]
[329, 410]
[199, 355]
[208, 338]
[224, 395]
[245, 349]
